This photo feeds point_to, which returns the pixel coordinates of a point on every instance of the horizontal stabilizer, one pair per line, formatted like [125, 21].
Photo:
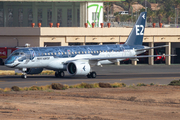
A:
[148, 48]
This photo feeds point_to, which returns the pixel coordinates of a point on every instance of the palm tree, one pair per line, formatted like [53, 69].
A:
[117, 18]
[169, 14]
[107, 6]
[177, 5]
[129, 4]
[151, 15]
[160, 14]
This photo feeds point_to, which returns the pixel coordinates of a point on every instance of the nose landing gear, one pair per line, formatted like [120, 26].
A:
[23, 76]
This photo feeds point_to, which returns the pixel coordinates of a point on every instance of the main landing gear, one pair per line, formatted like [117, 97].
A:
[24, 76]
[59, 74]
[91, 75]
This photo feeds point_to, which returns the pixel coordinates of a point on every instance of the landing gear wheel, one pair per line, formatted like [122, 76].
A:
[93, 74]
[23, 76]
[88, 75]
[56, 74]
[59, 74]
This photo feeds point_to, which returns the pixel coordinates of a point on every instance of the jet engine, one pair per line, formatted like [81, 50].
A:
[78, 68]
[34, 70]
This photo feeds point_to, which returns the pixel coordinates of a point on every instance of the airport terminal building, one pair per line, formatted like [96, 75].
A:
[17, 16]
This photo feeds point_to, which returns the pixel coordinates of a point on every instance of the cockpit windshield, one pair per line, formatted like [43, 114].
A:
[15, 55]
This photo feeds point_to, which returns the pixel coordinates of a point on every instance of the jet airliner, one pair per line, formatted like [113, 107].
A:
[79, 60]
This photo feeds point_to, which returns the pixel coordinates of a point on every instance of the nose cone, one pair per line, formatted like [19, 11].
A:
[10, 62]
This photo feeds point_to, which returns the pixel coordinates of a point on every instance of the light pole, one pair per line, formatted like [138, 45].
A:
[175, 17]
[145, 11]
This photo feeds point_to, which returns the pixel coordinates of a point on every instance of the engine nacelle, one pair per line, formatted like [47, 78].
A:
[34, 70]
[78, 68]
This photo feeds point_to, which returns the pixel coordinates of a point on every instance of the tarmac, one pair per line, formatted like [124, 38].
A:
[128, 74]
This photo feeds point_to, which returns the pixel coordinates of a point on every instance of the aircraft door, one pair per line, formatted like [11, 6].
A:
[32, 55]
[122, 51]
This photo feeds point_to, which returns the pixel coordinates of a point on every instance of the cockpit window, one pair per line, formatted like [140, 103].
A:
[16, 54]
[21, 53]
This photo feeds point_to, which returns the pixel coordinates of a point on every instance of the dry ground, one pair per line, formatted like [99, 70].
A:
[130, 103]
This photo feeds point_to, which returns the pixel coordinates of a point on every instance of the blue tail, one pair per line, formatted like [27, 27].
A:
[137, 34]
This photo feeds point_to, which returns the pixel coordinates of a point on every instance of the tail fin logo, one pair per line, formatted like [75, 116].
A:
[138, 32]
[143, 16]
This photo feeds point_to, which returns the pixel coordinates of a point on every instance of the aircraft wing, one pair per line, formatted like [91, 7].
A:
[113, 58]
[130, 57]
[148, 48]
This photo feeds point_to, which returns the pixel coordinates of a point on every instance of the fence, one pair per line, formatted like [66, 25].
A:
[131, 24]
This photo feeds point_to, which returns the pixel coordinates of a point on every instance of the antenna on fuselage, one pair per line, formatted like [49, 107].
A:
[27, 45]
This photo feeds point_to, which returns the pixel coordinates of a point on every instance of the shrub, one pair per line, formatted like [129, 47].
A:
[86, 85]
[15, 88]
[1, 89]
[96, 85]
[66, 86]
[115, 85]
[105, 85]
[151, 84]
[71, 86]
[7, 89]
[175, 83]
[34, 88]
[25, 88]
[57, 86]
[141, 84]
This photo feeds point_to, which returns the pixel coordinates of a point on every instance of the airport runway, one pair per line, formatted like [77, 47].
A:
[128, 74]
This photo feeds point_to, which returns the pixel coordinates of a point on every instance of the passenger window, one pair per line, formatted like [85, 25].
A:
[59, 53]
[85, 51]
[97, 51]
[54, 53]
[48, 53]
[65, 52]
[82, 52]
[75, 52]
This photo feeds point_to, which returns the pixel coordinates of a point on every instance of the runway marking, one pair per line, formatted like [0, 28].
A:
[2, 81]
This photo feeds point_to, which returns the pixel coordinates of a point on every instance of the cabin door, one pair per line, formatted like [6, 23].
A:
[32, 55]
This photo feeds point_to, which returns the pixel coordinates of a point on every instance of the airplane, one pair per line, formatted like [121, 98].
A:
[79, 60]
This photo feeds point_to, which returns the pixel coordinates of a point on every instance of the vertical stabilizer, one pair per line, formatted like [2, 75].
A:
[137, 33]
